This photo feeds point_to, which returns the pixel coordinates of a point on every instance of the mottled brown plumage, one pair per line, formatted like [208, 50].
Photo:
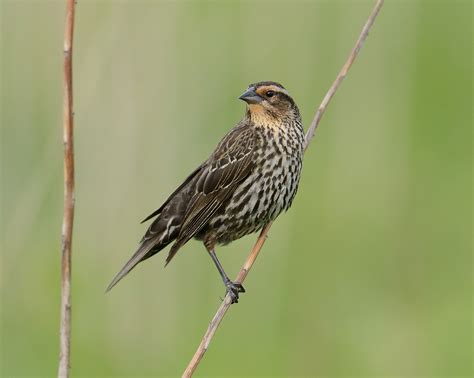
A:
[250, 178]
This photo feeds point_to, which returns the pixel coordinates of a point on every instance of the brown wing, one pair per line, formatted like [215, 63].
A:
[229, 165]
[164, 229]
[171, 196]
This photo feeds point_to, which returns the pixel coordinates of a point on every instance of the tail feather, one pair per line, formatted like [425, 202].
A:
[174, 249]
[146, 249]
[163, 230]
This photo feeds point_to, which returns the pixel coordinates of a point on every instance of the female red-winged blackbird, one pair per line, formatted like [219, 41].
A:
[250, 178]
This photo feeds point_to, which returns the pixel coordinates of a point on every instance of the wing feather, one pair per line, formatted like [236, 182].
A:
[230, 164]
[185, 182]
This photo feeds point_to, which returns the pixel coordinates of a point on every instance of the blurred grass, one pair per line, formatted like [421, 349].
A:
[369, 274]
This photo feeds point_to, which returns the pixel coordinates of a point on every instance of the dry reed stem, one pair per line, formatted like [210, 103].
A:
[68, 215]
[212, 328]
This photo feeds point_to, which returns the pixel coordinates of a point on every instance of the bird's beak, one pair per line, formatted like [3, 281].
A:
[251, 97]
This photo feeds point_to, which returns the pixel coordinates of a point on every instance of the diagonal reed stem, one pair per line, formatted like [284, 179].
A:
[221, 311]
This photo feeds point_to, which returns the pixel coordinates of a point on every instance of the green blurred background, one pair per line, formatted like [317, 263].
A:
[369, 274]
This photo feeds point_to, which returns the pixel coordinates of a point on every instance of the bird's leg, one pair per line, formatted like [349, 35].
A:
[233, 288]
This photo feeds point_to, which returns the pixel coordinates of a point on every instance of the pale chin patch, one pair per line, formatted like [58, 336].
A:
[260, 117]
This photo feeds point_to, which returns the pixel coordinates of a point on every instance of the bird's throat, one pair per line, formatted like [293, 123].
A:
[259, 115]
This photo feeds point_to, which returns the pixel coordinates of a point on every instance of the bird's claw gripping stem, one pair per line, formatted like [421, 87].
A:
[234, 288]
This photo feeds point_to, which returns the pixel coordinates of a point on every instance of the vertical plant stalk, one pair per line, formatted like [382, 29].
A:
[214, 324]
[68, 215]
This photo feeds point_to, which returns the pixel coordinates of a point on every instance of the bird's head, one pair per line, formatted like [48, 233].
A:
[268, 99]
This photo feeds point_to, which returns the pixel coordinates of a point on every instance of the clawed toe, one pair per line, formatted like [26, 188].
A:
[234, 288]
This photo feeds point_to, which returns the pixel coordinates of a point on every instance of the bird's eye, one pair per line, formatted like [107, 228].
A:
[270, 93]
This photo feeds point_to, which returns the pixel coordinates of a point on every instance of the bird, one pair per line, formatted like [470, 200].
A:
[250, 178]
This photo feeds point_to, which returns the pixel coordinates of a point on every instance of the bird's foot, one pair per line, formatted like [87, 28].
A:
[234, 288]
